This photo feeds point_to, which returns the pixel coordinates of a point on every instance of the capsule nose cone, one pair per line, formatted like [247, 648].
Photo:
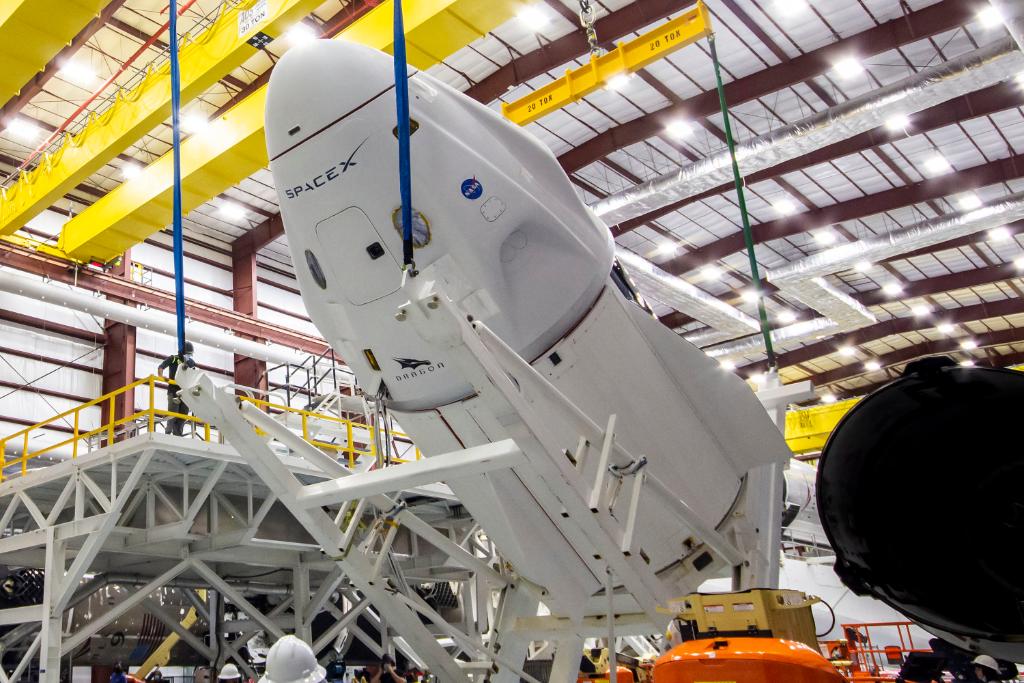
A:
[320, 82]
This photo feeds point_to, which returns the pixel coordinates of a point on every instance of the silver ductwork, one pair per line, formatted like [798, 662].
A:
[665, 288]
[804, 280]
[931, 86]
[924, 234]
[805, 330]
[155, 321]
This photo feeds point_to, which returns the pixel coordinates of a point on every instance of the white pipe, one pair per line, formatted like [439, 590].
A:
[155, 321]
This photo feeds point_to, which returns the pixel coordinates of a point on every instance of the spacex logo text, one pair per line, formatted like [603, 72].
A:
[333, 173]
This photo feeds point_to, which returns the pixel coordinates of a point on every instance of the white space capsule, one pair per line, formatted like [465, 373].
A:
[505, 232]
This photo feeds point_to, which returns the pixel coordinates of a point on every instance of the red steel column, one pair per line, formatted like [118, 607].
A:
[119, 356]
[249, 372]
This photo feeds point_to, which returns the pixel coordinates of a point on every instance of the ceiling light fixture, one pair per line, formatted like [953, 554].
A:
[967, 363]
[618, 82]
[749, 295]
[711, 273]
[989, 17]
[968, 345]
[129, 171]
[786, 317]
[1018, 263]
[825, 237]
[727, 365]
[945, 328]
[872, 366]
[968, 202]
[23, 130]
[784, 207]
[301, 33]
[892, 288]
[231, 211]
[936, 164]
[535, 17]
[194, 122]
[921, 310]
[848, 67]
[847, 351]
[863, 266]
[828, 398]
[1000, 234]
[78, 73]
[897, 122]
[679, 129]
[668, 248]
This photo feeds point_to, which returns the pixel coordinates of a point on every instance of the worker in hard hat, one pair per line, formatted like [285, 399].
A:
[229, 673]
[176, 425]
[986, 668]
[375, 673]
[291, 660]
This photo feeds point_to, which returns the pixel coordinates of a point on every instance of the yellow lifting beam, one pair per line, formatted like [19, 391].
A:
[233, 148]
[807, 429]
[204, 58]
[32, 32]
[628, 57]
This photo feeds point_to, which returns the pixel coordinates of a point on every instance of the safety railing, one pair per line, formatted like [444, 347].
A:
[349, 440]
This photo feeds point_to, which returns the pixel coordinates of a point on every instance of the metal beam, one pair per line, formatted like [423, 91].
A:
[119, 358]
[1012, 335]
[39, 81]
[973, 105]
[982, 311]
[221, 49]
[32, 32]
[999, 171]
[248, 372]
[234, 146]
[935, 19]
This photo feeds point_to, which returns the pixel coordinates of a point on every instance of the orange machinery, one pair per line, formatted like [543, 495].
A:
[744, 660]
[756, 636]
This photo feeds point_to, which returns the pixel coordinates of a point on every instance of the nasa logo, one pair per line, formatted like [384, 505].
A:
[415, 368]
[472, 189]
[327, 176]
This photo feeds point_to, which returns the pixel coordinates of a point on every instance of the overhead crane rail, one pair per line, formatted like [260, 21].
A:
[220, 48]
[351, 440]
[31, 33]
[628, 57]
[233, 146]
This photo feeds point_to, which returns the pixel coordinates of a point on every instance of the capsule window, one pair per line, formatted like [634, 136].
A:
[315, 270]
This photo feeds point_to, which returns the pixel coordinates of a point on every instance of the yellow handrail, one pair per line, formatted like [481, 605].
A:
[145, 420]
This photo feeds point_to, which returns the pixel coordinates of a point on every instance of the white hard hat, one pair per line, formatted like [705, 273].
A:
[229, 673]
[987, 662]
[291, 660]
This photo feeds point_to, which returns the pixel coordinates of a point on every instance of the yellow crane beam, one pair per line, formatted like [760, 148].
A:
[808, 429]
[204, 58]
[233, 148]
[32, 32]
[627, 57]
